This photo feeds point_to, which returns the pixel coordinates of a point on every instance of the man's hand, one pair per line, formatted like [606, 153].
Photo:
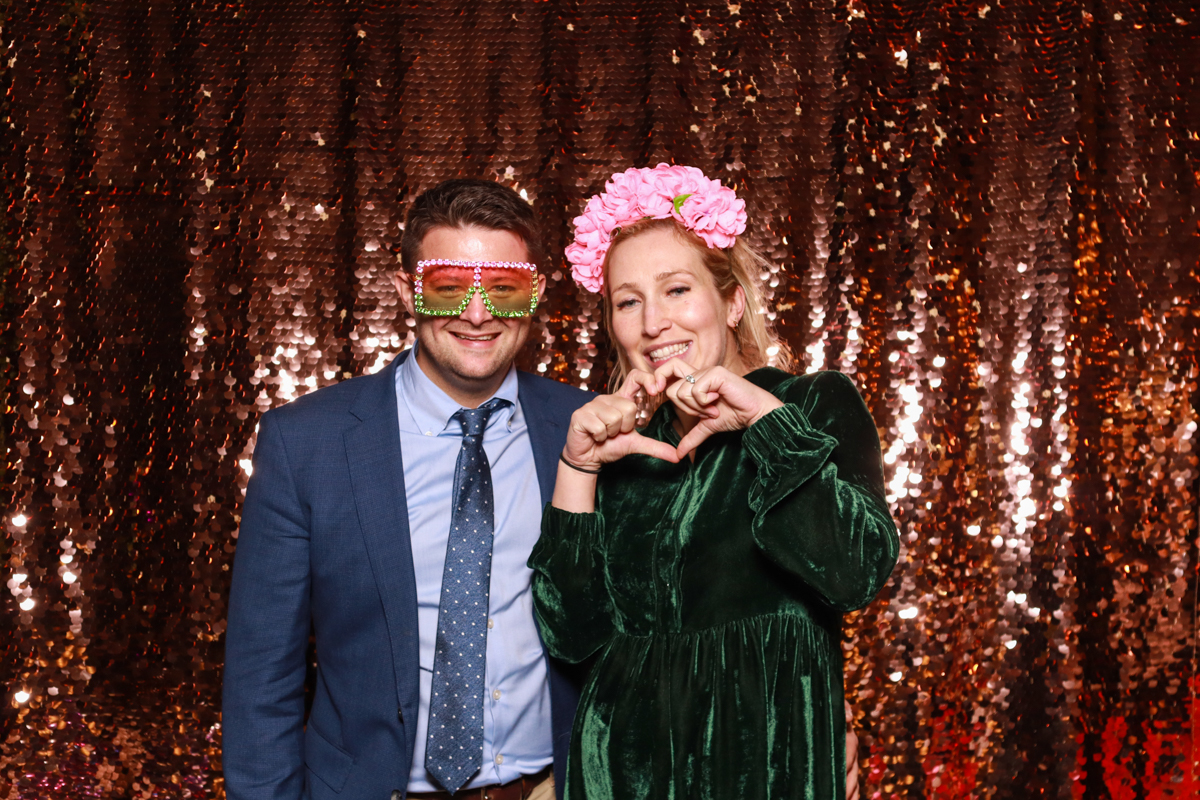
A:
[851, 756]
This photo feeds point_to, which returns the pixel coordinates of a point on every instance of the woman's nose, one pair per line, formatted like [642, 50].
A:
[654, 320]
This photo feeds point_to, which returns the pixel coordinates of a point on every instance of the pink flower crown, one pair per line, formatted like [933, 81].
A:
[705, 207]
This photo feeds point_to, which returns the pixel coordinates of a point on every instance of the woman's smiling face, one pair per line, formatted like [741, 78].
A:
[665, 305]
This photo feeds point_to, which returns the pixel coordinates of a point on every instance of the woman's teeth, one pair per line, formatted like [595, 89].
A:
[664, 353]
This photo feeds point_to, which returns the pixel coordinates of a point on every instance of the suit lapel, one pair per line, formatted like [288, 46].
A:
[377, 475]
[546, 434]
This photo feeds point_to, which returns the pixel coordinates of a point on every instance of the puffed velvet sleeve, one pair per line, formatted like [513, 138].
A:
[818, 496]
[574, 611]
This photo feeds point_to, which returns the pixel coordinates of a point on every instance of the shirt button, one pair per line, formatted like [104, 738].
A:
[491, 624]
[495, 694]
[499, 759]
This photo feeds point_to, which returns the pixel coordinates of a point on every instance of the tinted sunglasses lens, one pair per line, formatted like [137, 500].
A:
[509, 290]
[443, 288]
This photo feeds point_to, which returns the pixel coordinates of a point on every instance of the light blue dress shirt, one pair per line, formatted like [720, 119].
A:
[516, 729]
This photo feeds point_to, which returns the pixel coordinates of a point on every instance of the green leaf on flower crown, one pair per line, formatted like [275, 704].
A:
[679, 201]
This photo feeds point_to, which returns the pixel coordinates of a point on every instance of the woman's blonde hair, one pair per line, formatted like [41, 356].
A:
[740, 265]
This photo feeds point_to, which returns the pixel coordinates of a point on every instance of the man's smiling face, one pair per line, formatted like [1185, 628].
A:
[468, 356]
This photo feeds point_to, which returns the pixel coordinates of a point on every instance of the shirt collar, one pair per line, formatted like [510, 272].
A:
[430, 408]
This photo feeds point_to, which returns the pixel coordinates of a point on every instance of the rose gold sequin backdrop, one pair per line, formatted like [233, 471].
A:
[986, 212]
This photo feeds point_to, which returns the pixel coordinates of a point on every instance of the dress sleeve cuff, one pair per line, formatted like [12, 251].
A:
[787, 451]
[565, 533]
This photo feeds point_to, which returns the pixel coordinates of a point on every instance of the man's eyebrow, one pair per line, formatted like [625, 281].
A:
[659, 277]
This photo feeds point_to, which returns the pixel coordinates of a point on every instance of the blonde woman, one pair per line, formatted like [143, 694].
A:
[704, 560]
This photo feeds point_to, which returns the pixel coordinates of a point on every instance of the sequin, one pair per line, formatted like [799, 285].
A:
[994, 234]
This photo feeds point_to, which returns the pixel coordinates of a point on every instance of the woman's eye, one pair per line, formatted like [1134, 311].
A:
[628, 302]
[675, 291]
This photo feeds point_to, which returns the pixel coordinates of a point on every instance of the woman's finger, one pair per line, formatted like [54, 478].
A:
[652, 447]
[708, 386]
[618, 414]
[682, 394]
[639, 380]
[672, 394]
[629, 417]
[608, 415]
[705, 394]
[621, 405]
[692, 439]
[673, 370]
[590, 423]
[685, 395]
[698, 393]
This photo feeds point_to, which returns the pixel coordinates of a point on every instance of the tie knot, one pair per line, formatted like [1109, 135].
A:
[474, 420]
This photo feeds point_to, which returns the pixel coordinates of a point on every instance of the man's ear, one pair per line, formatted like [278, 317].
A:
[541, 284]
[404, 287]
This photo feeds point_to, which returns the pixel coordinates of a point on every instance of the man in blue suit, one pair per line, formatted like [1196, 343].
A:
[359, 491]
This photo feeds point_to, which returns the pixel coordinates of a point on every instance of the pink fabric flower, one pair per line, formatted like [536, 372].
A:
[706, 207]
[717, 216]
[620, 196]
[587, 266]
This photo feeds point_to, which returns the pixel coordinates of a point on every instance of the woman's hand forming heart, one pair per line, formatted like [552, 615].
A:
[604, 430]
[715, 398]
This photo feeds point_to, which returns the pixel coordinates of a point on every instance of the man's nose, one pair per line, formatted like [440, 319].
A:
[476, 312]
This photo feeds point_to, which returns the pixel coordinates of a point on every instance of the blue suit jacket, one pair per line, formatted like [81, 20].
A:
[324, 542]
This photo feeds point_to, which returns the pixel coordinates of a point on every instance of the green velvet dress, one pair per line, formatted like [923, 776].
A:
[711, 593]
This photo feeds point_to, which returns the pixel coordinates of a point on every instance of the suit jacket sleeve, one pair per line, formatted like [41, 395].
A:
[263, 703]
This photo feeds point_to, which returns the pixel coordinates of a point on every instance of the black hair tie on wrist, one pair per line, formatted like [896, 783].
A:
[563, 459]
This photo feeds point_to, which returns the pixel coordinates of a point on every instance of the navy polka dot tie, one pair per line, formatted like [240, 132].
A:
[454, 746]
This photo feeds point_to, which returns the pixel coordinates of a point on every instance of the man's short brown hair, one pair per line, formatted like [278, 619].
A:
[462, 202]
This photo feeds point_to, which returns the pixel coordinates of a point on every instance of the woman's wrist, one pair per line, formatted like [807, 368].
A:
[574, 489]
[774, 404]
[589, 469]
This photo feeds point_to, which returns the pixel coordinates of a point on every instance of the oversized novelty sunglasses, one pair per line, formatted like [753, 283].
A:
[444, 287]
